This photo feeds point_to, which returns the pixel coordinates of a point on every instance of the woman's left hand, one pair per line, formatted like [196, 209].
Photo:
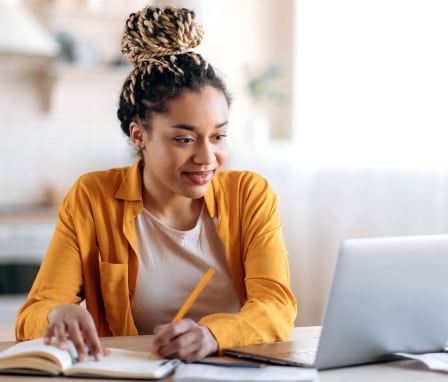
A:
[185, 340]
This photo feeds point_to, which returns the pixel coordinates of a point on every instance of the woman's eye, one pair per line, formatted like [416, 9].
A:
[220, 137]
[183, 139]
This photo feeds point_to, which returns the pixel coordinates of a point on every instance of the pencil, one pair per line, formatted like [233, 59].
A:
[193, 296]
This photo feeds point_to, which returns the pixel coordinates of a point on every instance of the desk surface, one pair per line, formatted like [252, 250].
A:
[407, 370]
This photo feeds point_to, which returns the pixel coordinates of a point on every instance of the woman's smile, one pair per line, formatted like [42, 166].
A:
[199, 177]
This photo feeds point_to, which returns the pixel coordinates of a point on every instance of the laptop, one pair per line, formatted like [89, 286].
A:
[387, 295]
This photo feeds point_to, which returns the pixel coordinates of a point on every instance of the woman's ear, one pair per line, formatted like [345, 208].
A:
[137, 134]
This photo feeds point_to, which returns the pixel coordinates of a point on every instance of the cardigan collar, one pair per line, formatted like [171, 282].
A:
[130, 188]
[131, 184]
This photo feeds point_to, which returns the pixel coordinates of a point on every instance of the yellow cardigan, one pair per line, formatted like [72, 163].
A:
[93, 257]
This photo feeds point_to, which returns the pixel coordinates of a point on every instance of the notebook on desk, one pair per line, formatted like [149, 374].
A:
[387, 295]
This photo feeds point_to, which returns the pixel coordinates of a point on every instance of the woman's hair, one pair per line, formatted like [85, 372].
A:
[158, 44]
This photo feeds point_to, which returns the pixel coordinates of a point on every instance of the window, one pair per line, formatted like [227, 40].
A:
[372, 82]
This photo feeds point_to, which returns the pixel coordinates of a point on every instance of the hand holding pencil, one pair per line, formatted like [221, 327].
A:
[184, 338]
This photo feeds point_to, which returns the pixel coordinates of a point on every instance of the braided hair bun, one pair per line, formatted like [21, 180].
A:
[153, 33]
[158, 43]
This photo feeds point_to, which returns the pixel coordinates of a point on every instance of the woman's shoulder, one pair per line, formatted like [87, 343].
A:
[106, 181]
[240, 179]
[235, 190]
[106, 176]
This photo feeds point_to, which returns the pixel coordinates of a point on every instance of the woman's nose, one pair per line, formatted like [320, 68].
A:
[204, 153]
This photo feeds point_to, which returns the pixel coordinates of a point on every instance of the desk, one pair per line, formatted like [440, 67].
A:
[406, 370]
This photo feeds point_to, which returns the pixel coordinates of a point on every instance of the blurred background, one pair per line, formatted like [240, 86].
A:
[341, 105]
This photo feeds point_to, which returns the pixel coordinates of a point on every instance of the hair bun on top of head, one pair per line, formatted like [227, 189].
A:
[154, 32]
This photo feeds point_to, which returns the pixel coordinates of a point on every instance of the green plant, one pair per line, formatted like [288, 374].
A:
[265, 87]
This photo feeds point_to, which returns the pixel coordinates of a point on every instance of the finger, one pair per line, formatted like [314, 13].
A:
[193, 356]
[168, 331]
[165, 337]
[184, 353]
[94, 344]
[180, 346]
[163, 330]
[91, 337]
[76, 336]
[59, 331]
[192, 345]
[162, 335]
[48, 335]
[199, 347]
[193, 351]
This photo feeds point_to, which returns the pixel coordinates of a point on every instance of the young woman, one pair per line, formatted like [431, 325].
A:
[133, 242]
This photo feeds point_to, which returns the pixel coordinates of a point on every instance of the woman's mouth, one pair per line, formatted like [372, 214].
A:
[199, 177]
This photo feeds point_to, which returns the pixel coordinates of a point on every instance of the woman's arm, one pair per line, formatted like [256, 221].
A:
[59, 280]
[269, 306]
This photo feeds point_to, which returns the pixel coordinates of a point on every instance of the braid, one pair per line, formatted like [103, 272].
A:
[158, 42]
[153, 37]
[154, 32]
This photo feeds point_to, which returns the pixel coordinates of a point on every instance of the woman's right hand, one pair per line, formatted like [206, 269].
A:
[71, 321]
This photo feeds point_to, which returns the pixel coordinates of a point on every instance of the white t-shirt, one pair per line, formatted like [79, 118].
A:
[171, 263]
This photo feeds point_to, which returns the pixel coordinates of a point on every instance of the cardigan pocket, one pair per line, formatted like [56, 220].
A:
[115, 293]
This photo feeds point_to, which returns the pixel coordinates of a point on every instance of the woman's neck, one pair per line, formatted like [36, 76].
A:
[177, 212]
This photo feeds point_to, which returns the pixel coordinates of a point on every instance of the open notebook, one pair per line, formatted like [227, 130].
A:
[34, 357]
[387, 295]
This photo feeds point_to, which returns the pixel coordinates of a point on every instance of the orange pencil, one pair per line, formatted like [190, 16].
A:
[193, 296]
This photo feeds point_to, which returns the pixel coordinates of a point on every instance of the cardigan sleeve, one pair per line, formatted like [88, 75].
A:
[258, 260]
[59, 280]
[91, 257]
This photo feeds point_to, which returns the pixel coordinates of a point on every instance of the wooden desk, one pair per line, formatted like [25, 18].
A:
[406, 370]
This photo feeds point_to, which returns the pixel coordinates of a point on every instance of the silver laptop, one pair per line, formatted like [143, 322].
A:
[387, 295]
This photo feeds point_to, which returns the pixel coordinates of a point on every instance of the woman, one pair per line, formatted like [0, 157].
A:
[133, 242]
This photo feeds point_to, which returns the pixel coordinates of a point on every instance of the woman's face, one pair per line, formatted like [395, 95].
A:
[186, 145]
